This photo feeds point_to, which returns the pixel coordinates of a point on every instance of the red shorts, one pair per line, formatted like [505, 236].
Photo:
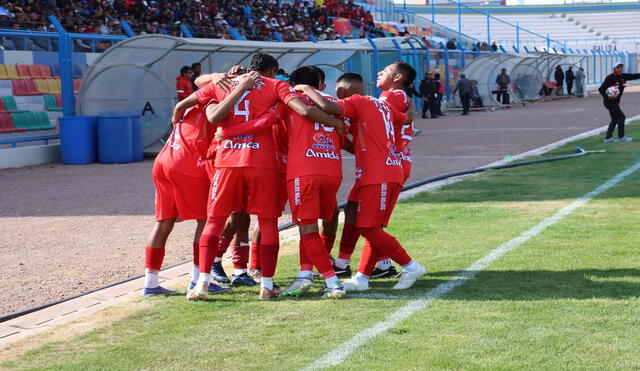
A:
[375, 204]
[353, 194]
[179, 195]
[313, 197]
[282, 187]
[244, 188]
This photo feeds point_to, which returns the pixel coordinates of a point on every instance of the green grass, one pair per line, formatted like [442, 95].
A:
[566, 299]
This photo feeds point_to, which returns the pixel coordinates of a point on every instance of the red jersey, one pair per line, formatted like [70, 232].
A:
[252, 150]
[374, 139]
[186, 147]
[184, 87]
[314, 149]
[399, 100]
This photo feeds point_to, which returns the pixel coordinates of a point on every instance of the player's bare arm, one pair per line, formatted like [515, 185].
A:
[262, 124]
[411, 110]
[324, 104]
[183, 106]
[316, 115]
[219, 112]
[222, 80]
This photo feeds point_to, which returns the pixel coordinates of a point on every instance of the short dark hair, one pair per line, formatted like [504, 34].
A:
[407, 71]
[262, 62]
[306, 75]
[320, 73]
[196, 64]
[436, 75]
[185, 69]
[350, 77]
[280, 71]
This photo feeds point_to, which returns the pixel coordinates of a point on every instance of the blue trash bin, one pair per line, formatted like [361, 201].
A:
[78, 139]
[138, 144]
[115, 139]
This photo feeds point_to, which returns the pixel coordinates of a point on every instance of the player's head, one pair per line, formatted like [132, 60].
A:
[618, 69]
[321, 76]
[306, 75]
[264, 64]
[398, 75]
[186, 71]
[196, 67]
[349, 84]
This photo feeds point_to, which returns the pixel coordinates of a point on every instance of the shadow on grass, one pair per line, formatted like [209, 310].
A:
[521, 285]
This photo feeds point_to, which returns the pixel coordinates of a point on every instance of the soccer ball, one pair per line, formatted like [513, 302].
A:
[613, 91]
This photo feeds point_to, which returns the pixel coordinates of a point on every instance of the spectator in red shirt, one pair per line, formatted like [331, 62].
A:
[183, 83]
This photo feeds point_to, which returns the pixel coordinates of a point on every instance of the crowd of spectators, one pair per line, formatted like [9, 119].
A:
[254, 19]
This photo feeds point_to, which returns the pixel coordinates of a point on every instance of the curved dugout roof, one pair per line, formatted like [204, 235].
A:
[138, 75]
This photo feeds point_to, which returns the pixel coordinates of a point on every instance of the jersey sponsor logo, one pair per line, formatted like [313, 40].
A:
[359, 172]
[327, 155]
[243, 145]
[393, 162]
[173, 140]
[323, 141]
[383, 196]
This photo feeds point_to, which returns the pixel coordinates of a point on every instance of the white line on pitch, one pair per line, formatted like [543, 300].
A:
[339, 354]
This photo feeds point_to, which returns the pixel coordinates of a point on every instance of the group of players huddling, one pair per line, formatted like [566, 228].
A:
[245, 143]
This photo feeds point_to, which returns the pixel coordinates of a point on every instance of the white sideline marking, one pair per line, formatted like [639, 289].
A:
[339, 354]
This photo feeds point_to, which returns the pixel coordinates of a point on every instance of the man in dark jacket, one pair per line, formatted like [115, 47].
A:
[616, 81]
[503, 80]
[428, 91]
[465, 90]
[559, 77]
[569, 76]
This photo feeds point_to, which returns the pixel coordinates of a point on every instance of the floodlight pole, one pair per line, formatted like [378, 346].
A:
[65, 60]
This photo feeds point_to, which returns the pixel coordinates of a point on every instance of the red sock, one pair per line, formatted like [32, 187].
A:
[316, 251]
[348, 241]
[268, 259]
[240, 256]
[305, 262]
[209, 242]
[153, 258]
[368, 258]
[255, 256]
[196, 253]
[328, 241]
[223, 245]
[386, 244]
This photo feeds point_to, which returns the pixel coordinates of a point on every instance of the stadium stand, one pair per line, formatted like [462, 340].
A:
[626, 23]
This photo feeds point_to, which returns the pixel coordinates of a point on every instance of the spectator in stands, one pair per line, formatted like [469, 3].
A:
[580, 82]
[475, 95]
[402, 28]
[197, 70]
[484, 47]
[428, 92]
[439, 94]
[615, 82]
[184, 87]
[559, 77]
[570, 77]
[451, 44]
[503, 80]
[494, 46]
[465, 91]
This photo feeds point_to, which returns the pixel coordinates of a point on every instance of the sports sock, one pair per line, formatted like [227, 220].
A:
[342, 263]
[305, 262]
[411, 267]
[315, 250]
[209, 243]
[216, 259]
[195, 273]
[237, 272]
[348, 241]
[223, 245]
[240, 255]
[331, 281]
[368, 258]
[267, 283]
[328, 241]
[151, 278]
[305, 274]
[196, 252]
[204, 277]
[153, 258]
[269, 246]
[362, 278]
[384, 263]
[255, 256]
[386, 244]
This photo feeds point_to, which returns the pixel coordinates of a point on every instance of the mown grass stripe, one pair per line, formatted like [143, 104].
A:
[344, 350]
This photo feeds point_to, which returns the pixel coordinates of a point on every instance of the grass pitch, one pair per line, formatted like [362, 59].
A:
[566, 299]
